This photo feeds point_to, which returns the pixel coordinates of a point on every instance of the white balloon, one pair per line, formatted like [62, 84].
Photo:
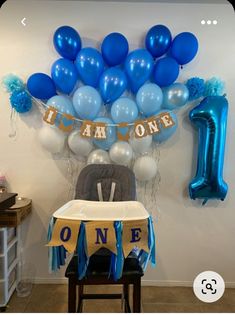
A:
[79, 145]
[145, 168]
[52, 139]
[140, 145]
[98, 157]
[121, 152]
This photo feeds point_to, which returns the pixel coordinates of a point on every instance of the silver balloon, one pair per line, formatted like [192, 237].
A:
[175, 96]
[121, 152]
[140, 145]
[79, 145]
[98, 157]
[52, 138]
[145, 168]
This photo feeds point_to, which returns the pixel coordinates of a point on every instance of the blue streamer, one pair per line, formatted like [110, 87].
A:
[83, 259]
[56, 254]
[119, 259]
[144, 257]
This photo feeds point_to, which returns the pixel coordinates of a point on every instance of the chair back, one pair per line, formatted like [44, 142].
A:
[106, 182]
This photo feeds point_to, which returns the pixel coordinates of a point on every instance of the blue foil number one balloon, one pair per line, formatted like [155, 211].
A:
[210, 116]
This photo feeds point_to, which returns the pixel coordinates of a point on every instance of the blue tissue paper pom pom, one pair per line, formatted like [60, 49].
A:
[12, 83]
[196, 87]
[21, 101]
[214, 87]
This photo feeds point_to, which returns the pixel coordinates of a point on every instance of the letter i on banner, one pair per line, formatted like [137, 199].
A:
[135, 234]
[65, 232]
[100, 234]
[50, 115]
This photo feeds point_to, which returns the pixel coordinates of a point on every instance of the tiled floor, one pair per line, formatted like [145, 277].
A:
[53, 298]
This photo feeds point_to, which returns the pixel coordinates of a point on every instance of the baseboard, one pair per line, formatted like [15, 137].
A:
[157, 283]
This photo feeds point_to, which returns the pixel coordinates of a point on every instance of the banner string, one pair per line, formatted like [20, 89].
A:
[45, 106]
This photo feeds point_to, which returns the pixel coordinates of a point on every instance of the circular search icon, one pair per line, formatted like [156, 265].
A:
[208, 286]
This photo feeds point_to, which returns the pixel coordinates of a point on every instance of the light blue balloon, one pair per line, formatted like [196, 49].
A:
[125, 110]
[166, 133]
[63, 104]
[110, 134]
[87, 102]
[175, 96]
[149, 99]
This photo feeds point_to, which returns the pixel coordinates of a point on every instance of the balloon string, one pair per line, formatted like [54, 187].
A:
[13, 124]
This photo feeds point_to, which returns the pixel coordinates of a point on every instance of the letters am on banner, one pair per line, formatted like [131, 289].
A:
[65, 232]
[135, 234]
[100, 234]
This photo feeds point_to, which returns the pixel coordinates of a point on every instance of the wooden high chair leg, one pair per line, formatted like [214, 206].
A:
[137, 295]
[80, 299]
[72, 295]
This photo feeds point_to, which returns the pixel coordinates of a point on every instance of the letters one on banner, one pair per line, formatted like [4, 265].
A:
[100, 234]
[97, 130]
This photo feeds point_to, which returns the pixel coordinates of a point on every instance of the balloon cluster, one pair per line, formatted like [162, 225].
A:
[131, 85]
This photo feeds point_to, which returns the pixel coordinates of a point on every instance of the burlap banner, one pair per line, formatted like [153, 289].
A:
[97, 130]
[135, 234]
[100, 234]
[65, 232]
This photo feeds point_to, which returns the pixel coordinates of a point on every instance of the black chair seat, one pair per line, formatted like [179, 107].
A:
[99, 266]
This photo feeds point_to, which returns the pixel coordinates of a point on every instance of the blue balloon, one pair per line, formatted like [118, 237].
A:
[90, 66]
[210, 117]
[63, 104]
[87, 102]
[158, 40]
[166, 71]
[112, 84]
[184, 47]
[138, 67]
[110, 134]
[114, 49]
[166, 133]
[41, 86]
[67, 42]
[149, 99]
[65, 75]
[125, 110]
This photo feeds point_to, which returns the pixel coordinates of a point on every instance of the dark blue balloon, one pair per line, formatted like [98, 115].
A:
[67, 42]
[114, 49]
[41, 86]
[138, 68]
[184, 47]
[112, 84]
[210, 117]
[158, 40]
[90, 66]
[166, 71]
[64, 74]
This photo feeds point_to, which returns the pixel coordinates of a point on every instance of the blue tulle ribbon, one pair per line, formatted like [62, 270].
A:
[83, 259]
[56, 254]
[117, 260]
[145, 257]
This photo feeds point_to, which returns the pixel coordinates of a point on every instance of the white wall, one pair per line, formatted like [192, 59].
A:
[190, 238]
